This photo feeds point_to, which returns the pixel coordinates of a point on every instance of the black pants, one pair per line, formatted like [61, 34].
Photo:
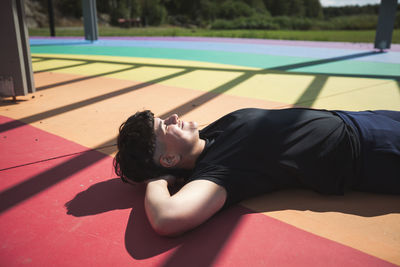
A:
[379, 133]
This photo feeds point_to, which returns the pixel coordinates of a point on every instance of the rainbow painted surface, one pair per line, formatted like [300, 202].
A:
[59, 192]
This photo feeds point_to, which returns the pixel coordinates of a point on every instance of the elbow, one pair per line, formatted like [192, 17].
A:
[165, 219]
[167, 227]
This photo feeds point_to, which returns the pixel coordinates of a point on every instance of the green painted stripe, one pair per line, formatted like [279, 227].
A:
[354, 67]
[240, 59]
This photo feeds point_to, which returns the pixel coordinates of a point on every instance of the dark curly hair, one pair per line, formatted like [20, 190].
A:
[136, 145]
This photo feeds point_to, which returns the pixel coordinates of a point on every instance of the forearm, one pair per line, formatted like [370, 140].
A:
[156, 203]
[157, 194]
[193, 204]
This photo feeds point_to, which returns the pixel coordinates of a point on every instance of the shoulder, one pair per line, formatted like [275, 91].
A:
[201, 198]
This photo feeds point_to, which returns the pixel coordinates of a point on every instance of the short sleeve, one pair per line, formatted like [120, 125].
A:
[214, 173]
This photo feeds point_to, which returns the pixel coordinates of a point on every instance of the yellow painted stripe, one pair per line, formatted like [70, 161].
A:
[145, 74]
[274, 87]
[138, 60]
[53, 63]
[315, 91]
[203, 80]
[385, 95]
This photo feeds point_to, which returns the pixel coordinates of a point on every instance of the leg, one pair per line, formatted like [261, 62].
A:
[380, 155]
[394, 115]
[381, 174]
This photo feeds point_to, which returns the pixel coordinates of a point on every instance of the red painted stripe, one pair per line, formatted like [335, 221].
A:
[73, 211]
[29, 144]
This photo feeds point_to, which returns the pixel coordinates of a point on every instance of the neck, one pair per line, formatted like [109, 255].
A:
[189, 162]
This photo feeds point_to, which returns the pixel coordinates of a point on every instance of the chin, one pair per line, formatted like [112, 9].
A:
[193, 125]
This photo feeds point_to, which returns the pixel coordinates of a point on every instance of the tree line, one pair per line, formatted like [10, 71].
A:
[230, 14]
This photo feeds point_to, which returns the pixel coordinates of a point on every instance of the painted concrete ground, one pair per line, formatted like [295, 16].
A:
[61, 204]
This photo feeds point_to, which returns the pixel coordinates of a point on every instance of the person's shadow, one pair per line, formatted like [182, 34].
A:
[362, 204]
[202, 245]
[198, 247]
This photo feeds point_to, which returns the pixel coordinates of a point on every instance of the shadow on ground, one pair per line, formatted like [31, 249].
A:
[203, 244]
[353, 203]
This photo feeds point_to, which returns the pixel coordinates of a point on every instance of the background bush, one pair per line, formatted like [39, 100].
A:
[254, 22]
[231, 14]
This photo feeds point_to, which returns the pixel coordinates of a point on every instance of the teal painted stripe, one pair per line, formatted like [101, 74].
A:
[354, 67]
[231, 58]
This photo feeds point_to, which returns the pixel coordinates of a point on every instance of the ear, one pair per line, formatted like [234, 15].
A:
[169, 160]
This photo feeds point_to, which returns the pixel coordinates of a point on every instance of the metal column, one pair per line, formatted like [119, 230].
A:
[16, 76]
[90, 19]
[384, 30]
[50, 10]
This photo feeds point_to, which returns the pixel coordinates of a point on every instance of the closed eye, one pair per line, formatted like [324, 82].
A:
[162, 126]
[166, 126]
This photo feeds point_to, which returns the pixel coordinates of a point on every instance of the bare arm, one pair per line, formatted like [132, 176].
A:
[193, 204]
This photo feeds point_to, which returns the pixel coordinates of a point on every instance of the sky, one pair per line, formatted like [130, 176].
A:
[348, 2]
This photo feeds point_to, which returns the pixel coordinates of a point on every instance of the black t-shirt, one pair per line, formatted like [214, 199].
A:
[255, 151]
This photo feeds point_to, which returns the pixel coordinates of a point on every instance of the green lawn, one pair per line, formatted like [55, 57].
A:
[334, 36]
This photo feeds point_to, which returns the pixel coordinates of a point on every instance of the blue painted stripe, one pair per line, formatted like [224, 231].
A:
[274, 50]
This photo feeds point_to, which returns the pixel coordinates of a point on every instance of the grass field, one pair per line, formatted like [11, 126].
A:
[334, 36]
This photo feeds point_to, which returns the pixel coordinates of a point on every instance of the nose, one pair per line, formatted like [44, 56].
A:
[173, 119]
